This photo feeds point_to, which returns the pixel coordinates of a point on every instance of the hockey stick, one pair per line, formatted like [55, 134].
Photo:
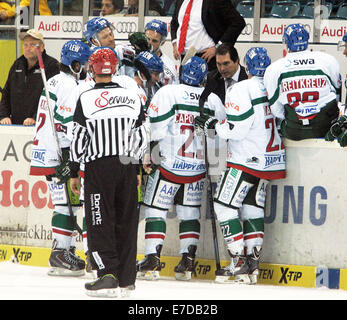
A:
[210, 200]
[189, 54]
[58, 149]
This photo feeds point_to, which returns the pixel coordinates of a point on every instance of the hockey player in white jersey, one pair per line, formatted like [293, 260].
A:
[303, 87]
[338, 129]
[255, 156]
[179, 178]
[74, 55]
[148, 69]
[99, 33]
[156, 33]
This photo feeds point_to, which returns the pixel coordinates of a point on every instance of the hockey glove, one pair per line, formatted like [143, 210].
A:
[62, 171]
[336, 129]
[205, 123]
[342, 139]
[139, 41]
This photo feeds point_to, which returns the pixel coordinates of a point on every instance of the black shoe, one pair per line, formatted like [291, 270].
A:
[106, 286]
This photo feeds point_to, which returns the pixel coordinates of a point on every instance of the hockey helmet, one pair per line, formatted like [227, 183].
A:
[157, 26]
[194, 71]
[94, 26]
[257, 60]
[103, 61]
[147, 62]
[74, 50]
[344, 38]
[296, 37]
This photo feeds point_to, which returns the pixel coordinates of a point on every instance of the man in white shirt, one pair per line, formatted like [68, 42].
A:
[204, 25]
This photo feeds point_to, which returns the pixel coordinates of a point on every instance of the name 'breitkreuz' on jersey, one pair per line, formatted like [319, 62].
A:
[254, 145]
[108, 122]
[171, 114]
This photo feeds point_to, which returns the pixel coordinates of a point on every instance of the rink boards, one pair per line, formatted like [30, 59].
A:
[269, 274]
[305, 220]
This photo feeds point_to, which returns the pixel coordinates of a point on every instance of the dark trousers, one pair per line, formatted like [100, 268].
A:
[112, 217]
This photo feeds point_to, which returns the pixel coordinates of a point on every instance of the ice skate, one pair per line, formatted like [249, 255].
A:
[224, 274]
[184, 269]
[149, 267]
[126, 291]
[65, 263]
[106, 286]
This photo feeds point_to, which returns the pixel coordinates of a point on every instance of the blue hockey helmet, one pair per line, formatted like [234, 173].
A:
[74, 50]
[296, 37]
[257, 60]
[94, 26]
[157, 26]
[147, 62]
[194, 71]
[344, 38]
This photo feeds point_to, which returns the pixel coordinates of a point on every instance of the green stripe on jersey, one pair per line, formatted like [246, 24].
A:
[259, 101]
[241, 117]
[178, 107]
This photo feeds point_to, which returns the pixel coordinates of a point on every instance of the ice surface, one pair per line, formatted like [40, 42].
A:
[19, 282]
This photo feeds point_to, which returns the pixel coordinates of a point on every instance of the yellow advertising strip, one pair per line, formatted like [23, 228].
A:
[343, 279]
[287, 275]
[271, 274]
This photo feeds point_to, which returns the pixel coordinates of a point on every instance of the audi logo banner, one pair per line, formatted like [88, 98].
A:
[60, 27]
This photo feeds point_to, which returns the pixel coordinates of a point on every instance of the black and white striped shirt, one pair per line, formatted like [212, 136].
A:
[108, 121]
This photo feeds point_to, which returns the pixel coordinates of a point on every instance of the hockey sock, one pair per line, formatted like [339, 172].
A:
[189, 234]
[84, 235]
[155, 232]
[233, 235]
[253, 230]
[62, 229]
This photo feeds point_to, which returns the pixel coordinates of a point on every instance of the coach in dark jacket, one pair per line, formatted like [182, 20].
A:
[220, 22]
[24, 84]
[228, 72]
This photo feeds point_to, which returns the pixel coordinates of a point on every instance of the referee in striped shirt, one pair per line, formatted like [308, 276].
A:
[108, 136]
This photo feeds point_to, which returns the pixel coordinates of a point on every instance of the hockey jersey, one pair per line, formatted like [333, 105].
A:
[306, 81]
[169, 74]
[108, 122]
[44, 151]
[171, 114]
[254, 145]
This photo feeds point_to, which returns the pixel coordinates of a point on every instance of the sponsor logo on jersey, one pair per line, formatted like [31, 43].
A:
[153, 107]
[191, 95]
[232, 105]
[298, 62]
[273, 160]
[39, 156]
[103, 101]
[64, 108]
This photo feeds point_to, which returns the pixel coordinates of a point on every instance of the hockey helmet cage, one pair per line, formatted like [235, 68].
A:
[74, 50]
[157, 26]
[103, 61]
[296, 37]
[194, 71]
[94, 26]
[257, 60]
[147, 62]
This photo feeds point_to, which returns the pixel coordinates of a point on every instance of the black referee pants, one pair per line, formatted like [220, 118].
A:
[112, 217]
